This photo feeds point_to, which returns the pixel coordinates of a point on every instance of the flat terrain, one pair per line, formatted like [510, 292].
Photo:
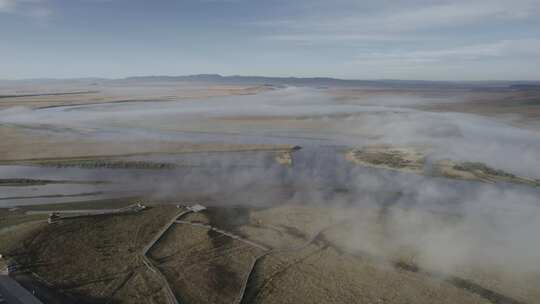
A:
[24, 146]
[353, 194]
[89, 92]
[518, 106]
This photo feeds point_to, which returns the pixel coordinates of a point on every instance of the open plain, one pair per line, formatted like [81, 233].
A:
[356, 193]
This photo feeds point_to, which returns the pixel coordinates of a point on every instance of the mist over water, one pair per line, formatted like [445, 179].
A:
[495, 223]
[303, 116]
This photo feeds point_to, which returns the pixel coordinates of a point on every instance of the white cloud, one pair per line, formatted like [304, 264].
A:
[499, 60]
[313, 38]
[31, 8]
[452, 15]
[366, 21]
[423, 39]
[505, 48]
[7, 5]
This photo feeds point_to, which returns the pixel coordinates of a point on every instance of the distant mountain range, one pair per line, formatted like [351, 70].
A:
[326, 81]
[297, 81]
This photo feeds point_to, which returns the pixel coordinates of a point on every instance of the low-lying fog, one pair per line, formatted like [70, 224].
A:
[301, 116]
[498, 223]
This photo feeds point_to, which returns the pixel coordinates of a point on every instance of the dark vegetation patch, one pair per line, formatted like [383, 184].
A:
[48, 94]
[52, 196]
[21, 182]
[484, 169]
[106, 164]
[390, 159]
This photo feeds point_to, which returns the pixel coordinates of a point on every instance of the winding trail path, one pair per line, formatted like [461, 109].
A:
[148, 263]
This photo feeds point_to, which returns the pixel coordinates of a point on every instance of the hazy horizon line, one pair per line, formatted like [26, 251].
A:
[217, 75]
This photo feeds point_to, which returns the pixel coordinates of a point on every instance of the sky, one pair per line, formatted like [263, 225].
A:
[352, 39]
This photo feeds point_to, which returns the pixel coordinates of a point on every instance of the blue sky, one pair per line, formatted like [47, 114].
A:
[406, 39]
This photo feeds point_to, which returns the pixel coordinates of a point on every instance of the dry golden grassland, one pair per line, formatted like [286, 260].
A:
[97, 258]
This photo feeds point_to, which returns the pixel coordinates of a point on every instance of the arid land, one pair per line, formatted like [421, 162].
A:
[306, 242]
[307, 259]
